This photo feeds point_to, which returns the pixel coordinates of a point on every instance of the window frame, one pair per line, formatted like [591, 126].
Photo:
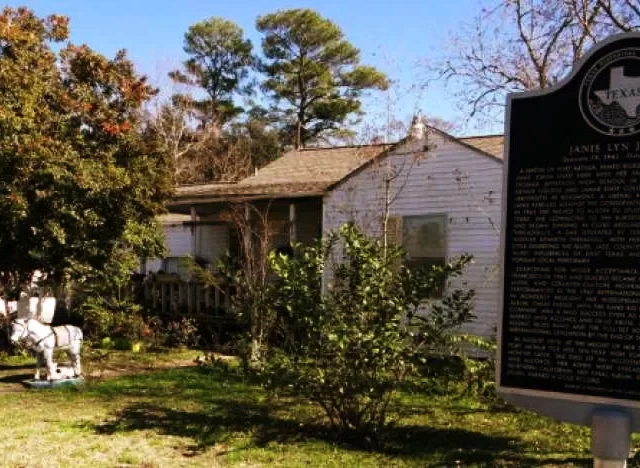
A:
[416, 262]
[442, 220]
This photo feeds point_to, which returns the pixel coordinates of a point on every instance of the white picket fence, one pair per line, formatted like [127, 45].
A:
[174, 297]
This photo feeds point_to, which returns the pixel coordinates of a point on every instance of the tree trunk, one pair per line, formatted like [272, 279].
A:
[298, 143]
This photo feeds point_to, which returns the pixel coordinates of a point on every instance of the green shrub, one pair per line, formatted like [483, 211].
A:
[350, 347]
[119, 320]
[181, 332]
[466, 368]
[105, 302]
[480, 368]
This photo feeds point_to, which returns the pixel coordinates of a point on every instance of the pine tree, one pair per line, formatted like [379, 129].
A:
[219, 61]
[313, 74]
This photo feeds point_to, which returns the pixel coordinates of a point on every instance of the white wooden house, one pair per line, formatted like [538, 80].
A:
[441, 194]
[441, 202]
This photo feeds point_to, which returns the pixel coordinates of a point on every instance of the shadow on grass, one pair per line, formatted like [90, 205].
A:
[452, 447]
[460, 447]
[228, 407]
[9, 367]
[211, 427]
[15, 378]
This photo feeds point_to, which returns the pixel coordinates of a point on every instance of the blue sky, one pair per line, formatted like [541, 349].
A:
[392, 35]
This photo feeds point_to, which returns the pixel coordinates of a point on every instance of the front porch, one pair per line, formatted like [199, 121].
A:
[207, 232]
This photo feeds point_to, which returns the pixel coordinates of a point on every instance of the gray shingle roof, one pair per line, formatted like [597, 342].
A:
[306, 172]
[490, 144]
[310, 172]
[317, 166]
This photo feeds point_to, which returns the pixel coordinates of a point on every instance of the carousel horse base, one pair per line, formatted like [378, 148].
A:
[33, 383]
[64, 377]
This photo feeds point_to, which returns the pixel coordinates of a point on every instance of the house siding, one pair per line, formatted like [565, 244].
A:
[450, 178]
[178, 240]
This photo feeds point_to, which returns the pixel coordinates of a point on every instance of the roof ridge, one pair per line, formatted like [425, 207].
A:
[216, 182]
[328, 148]
[493, 135]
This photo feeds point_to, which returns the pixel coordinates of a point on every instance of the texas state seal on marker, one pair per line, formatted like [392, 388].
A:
[609, 97]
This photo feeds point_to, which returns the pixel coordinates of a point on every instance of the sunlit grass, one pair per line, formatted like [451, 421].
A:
[190, 417]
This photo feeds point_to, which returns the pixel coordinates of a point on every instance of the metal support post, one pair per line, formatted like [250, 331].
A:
[610, 438]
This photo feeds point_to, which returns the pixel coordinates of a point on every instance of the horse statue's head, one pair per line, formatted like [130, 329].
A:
[19, 330]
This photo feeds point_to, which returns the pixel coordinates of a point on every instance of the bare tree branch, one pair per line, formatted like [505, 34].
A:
[179, 135]
[535, 44]
[623, 14]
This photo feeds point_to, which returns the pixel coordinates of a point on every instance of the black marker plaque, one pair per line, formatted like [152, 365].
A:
[571, 291]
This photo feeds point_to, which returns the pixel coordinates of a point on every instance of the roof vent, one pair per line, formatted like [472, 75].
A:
[418, 129]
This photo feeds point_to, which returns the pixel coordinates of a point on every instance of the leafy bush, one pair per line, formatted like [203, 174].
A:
[119, 320]
[106, 304]
[181, 332]
[480, 369]
[468, 368]
[350, 347]
[252, 304]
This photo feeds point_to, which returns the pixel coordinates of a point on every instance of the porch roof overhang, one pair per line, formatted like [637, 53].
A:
[305, 173]
[206, 197]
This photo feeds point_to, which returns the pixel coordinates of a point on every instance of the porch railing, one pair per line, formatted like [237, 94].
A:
[169, 295]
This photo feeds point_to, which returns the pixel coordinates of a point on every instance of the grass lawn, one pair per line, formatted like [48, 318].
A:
[170, 417]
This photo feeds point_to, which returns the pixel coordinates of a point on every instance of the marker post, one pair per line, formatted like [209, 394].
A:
[610, 438]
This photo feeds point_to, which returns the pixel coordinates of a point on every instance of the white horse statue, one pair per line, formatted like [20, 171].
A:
[43, 339]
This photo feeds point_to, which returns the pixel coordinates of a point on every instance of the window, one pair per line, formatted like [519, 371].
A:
[424, 239]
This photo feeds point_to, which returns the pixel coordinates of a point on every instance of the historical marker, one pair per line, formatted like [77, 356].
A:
[569, 340]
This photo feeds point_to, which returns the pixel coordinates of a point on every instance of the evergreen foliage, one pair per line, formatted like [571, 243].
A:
[313, 74]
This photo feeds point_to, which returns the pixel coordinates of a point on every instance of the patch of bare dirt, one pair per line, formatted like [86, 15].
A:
[118, 369]
[96, 367]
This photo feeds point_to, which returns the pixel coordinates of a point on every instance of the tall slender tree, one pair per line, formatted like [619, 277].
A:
[313, 74]
[218, 63]
[190, 126]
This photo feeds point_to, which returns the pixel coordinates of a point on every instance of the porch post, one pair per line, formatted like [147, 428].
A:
[194, 218]
[292, 223]
[323, 223]
[247, 241]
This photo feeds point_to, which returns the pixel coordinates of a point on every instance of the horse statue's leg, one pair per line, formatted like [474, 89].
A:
[77, 366]
[51, 367]
[38, 365]
[74, 356]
